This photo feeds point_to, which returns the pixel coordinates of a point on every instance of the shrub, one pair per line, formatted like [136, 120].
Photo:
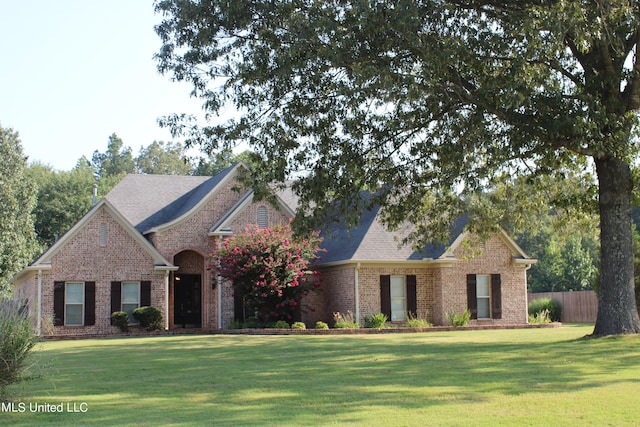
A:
[344, 321]
[321, 325]
[460, 320]
[542, 304]
[298, 325]
[121, 320]
[17, 338]
[149, 318]
[416, 322]
[377, 321]
[540, 317]
[280, 324]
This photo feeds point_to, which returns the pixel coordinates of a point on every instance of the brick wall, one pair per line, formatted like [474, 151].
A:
[83, 259]
[496, 258]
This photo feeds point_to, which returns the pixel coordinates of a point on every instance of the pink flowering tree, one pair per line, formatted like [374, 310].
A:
[269, 268]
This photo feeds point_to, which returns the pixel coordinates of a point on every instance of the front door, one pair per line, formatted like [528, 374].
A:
[187, 306]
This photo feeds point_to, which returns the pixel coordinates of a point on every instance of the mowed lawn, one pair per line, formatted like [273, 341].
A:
[511, 377]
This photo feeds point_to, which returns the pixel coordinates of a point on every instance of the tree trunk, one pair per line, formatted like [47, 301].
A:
[617, 311]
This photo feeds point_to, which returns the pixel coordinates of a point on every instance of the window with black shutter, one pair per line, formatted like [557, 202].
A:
[398, 296]
[74, 303]
[484, 296]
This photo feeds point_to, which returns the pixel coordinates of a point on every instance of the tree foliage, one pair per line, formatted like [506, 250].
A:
[270, 268]
[17, 200]
[116, 161]
[427, 101]
[163, 158]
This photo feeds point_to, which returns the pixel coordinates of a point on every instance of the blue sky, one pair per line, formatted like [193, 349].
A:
[72, 72]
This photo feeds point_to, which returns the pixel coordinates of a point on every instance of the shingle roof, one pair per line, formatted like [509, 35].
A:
[148, 201]
[371, 241]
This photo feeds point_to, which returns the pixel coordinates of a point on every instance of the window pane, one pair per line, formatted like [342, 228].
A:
[73, 315]
[130, 293]
[483, 287]
[74, 293]
[483, 308]
[398, 289]
[398, 298]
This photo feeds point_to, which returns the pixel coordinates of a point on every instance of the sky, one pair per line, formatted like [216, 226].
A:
[73, 72]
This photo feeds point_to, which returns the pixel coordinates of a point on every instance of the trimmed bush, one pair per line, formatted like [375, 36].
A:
[280, 324]
[377, 321]
[298, 325]
[121, 320]
[321, 325]
[17, 338]
[541, 304]
[149, 318]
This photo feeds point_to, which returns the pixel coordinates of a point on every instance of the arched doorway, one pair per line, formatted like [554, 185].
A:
[187, 290]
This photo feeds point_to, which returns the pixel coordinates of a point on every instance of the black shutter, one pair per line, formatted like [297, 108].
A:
[385, 296]
[238, 305]
[89, 303]
[116, 297]
[412, 297]
[472, 296]
[58, 303]
[496, 296]
[145, 293]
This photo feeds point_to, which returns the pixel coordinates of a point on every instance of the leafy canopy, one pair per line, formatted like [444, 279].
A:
[443, 98]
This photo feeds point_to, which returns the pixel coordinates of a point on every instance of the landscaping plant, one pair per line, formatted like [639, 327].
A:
[149, 318]
[121, 320]
[17, 338]
[377, 321]
[542, 304]
[270, 268]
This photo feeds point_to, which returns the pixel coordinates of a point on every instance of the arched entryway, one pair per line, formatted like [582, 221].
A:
[187, 290]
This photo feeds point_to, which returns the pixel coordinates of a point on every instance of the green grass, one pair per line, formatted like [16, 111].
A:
[511, 377]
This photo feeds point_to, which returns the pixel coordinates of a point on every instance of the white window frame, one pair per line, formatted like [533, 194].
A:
[132, 320]
[485, 297]
[74, 304]
[399, 314]
[103, 235]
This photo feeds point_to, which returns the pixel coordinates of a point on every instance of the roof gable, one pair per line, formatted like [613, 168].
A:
[150, 202]
[44, 260]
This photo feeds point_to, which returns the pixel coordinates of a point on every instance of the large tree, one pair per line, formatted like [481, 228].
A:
[432, 98]
[163, 158]
[17, 199]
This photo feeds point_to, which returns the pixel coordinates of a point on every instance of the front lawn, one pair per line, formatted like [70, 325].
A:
[506, 377]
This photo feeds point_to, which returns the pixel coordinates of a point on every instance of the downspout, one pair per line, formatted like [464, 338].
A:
[219, 289]
[357, 291]
[526, 292]
[166, 300]
[39, 309]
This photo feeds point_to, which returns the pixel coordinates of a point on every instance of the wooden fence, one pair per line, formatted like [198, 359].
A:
[577, 307]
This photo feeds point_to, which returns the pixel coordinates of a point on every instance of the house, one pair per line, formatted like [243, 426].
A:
[147, 242]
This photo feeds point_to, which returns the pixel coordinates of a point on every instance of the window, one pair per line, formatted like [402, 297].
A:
[263, 221]
[130, 299]
[398, 296]
[74, 304]
[127, 296]
[483, 295]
